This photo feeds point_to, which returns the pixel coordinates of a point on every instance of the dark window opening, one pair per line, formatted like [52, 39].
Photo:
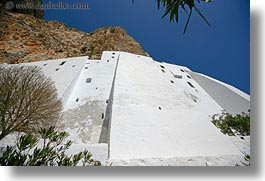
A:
[57, 69]
[163, 70]
[190, 84]
[86, 67]
[107, 101]
[194, 100]
[172, 81]
[102, 116]
[77, 99]
[162, 66]
[62, 63]
[178, 76]
[45, 64]
[181, 70]
[159, 108]
[107, 60]
[96, 88]
[189, 76]
[73, 66]
[112, 57]
[113, 53]
[88, 80]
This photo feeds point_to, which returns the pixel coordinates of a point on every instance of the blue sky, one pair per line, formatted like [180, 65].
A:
[221, 51]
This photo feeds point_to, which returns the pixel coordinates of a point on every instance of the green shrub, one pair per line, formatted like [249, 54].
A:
[50, 150]
[233, 125]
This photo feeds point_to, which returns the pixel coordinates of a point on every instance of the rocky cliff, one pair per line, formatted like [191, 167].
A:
[24, 38]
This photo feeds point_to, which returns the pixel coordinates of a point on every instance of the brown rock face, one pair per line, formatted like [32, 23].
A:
[24, 38]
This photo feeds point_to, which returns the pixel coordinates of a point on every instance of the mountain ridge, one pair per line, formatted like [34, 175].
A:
[24, 38]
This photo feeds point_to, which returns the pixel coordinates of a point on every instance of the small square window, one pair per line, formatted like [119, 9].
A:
[178, 76]
[88, 80]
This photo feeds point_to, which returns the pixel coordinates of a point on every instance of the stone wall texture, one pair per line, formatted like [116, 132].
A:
[24, 38]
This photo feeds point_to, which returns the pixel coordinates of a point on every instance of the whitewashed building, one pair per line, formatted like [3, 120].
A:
[128, 109]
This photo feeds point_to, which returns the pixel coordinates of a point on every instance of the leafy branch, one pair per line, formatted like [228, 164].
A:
[233, 125]
[172, 8]
[48, 150]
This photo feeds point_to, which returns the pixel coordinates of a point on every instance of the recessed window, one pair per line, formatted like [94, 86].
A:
[162, 66]
[73, 66]
[62, 63]
[102, 116]
[172, 81]
[178, 76]
[77, 99]
[107, 60]
[160, 108]
[86, 67]
[189, 76]
[181, 70]
[112, 57]
[190, 84]
[113, 53]
[57, 69]
[45, 64]
[88, 80]
[163, 70]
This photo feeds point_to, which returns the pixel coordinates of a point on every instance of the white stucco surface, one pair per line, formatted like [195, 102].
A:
[64, 73]
[236, 90]
[229, 98]
[128, 109]
[182, 128]
[85, 110]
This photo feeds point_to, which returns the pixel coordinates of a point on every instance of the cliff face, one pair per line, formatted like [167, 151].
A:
[24, 38]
